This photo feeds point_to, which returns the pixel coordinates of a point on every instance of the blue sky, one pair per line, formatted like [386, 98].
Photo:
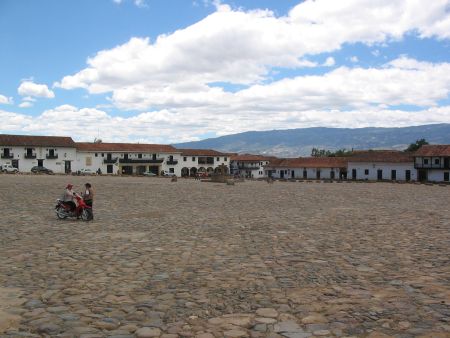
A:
[179, 70]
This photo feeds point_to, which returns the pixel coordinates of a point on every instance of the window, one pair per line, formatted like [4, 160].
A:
[185, 159]
[425, 161]
[103, 154]
[366, 172]
[218, 159]
[96, 155]
[139, 155]
[436, 161]
[225, 159]
[446, 176]
[171, 170]
[193, 158]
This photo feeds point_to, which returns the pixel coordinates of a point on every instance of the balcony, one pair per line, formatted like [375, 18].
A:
[172, 162]
[31, 156]
[110, 160]
[141, 160]
[51, 157]
[10, 155]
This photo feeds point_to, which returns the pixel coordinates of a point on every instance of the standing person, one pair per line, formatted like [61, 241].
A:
[88, 198]
[68, 197]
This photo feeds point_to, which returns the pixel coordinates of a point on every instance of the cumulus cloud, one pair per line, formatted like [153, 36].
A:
[6, 100]
[26, 104]
[31, 89]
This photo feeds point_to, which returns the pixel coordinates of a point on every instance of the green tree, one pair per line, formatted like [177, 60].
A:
[416, 146]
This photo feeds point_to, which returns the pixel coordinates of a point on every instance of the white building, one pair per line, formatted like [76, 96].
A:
[249, 166]
[377, 165]
[25, 152]
[202, 162]
[433, 163]
[128, 158]
[314, 168]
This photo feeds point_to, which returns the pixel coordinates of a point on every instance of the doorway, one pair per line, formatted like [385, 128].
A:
[67, 167]
[379, 174]
[393, 175]
[408, 175]
[40, 163]
[109, 169]
[423, 175]
[353, 174]
[15, 163]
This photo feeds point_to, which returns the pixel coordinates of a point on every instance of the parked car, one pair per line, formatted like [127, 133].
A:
[86, 172]
[149, 173]
[41, 170]
[167, 173]
[8, 168]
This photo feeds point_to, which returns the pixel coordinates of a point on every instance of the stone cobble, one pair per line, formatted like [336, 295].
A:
[206, 260]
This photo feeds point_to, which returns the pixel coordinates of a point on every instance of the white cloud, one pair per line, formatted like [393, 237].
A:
[354, 59]
[31, 89]
[6, 100]
[329, 62]
[227, 46]
[26, 104]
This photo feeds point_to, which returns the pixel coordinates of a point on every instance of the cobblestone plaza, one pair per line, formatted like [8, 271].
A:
[194, 259]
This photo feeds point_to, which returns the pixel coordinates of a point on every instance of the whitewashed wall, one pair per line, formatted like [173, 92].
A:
[387, 168]
[25, 164]
[325, 173]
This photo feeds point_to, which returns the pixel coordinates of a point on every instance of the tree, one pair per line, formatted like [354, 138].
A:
[316, 152]
[416, 146]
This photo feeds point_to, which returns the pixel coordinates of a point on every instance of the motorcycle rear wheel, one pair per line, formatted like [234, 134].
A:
[60, 213]
[85, 215]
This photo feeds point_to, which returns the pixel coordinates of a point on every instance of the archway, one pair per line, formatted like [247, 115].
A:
[184, 172]
[193, 171]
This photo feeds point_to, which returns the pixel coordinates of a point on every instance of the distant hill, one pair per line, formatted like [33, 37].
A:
[299, 142]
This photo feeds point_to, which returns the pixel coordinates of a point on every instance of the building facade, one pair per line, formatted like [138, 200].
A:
[249, 166]
[202, 162]
[25, 152]
[308, 168]
[128, 158]
[381, 165]
[432, 163]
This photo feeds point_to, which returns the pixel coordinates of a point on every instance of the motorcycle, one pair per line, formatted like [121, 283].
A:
[64, 209]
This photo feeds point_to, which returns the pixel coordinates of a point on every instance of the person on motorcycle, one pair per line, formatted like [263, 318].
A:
[68, 197]
[88, 197]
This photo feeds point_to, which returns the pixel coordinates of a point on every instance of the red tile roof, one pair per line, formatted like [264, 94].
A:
[126, 147]
[385, 156]
[251, 158]
[36, 141]
[202, 152]
[309, 162]
[433, 150]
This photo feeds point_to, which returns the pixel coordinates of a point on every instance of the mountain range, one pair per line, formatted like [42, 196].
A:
[299, 142]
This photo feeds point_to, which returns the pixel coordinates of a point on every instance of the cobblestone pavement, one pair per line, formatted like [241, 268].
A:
[192, 259]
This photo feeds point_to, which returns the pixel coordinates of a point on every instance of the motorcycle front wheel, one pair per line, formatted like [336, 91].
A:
[60, 213]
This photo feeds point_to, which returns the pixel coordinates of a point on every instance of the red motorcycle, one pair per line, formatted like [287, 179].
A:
[64, 209]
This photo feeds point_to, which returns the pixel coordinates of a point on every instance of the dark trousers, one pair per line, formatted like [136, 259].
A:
[90, 204]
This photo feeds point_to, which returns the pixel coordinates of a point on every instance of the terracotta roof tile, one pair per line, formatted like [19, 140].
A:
[36, 141]
[309, 162]
[433, 150]
[126, 147]
[251, 158]
[385, 156]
